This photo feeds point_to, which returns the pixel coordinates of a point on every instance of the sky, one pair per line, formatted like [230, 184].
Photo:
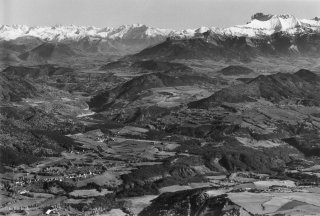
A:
[173, 14]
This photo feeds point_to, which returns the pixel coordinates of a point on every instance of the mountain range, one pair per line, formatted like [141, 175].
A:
[264, 34]
[260, 24]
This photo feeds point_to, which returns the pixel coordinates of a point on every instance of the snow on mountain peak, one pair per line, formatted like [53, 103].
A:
[260, 24]
[202, 29]
[269, 24]
[276, 23]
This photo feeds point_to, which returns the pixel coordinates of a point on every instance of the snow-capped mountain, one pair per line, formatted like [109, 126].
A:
[267, 25]
[72, 32]
[259, 25]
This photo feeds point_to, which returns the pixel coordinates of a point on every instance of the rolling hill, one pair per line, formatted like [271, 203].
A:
[301, 87]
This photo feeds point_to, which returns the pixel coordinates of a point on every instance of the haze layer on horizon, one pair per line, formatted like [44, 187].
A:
[174, 14]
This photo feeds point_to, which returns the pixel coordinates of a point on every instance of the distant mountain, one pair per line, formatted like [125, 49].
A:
[260, 24]
[196, 48]
[63, 33]
[19, 45]
[242, 48]
[262, 31]
[48, 51]
[10, 50]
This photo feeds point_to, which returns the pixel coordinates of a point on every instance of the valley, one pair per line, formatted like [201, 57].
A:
[145, 121]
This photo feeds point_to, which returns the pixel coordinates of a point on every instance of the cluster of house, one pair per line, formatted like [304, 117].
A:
[80, 152]
[74, 176]
[81, 176]
[25, 180]
[104, 139]
[49, 171]
[22, 181]
[54, 210]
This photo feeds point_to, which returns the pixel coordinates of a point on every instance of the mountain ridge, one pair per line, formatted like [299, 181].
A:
[256, 27]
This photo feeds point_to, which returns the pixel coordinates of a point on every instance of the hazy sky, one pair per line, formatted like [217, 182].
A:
[177, 14]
